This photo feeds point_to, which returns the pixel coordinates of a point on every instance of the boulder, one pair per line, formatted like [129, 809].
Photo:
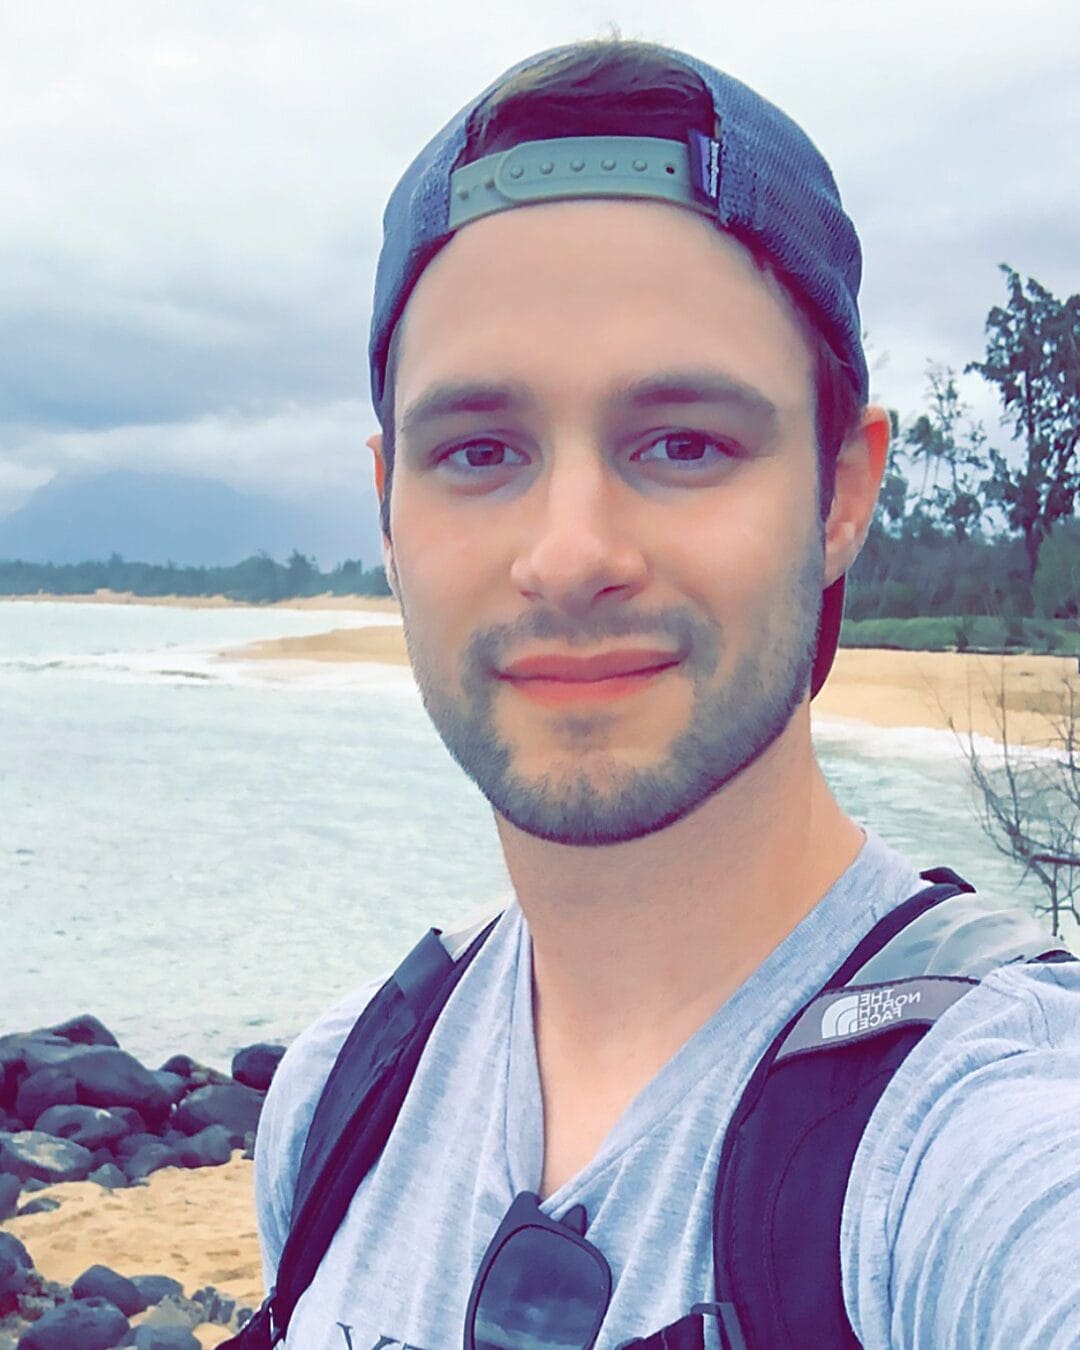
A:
[10, 1186]
[44, 1204]
[131, 1118]
[162, 1338]
[131, 1143]
[15, 1266]
[173, 1085]
[89, 1324]
[156, 1287]
[108, 1175]
[150, 1158]
[39, 1091]
[254, 1065]
[32, 1154]
[197, 1075]
[102, 1282]
[209, 1148]
[230, 1104]
[84, 1030]
[91, 1126]
[108, 1077]
[27, 1053]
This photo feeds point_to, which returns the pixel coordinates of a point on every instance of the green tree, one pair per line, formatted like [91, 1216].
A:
[936, 438]
[1056, 588]
[1033, 356]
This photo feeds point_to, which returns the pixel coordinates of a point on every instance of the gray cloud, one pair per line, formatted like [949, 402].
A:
[191, 198]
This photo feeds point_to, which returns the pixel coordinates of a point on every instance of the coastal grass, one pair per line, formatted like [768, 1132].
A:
[965, 633]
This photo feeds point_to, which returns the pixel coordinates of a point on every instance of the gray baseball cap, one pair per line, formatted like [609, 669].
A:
[760, 177]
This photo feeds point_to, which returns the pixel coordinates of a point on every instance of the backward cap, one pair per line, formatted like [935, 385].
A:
[774, 186]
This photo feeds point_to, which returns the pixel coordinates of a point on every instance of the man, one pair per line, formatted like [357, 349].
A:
[626, 460]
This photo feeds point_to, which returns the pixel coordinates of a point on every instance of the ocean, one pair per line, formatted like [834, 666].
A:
[206, 852]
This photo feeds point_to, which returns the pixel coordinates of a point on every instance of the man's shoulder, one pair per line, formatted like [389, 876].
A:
[305, 1067]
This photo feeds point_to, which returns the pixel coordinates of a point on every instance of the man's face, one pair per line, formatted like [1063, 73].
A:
[630, 476]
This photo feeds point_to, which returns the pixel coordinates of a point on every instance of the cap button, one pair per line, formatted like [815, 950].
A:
[640, 165]
[516, 171]
[607, 163]
[547, 166]
[577, 165]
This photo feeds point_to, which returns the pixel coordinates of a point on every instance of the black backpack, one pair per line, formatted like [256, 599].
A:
[788, 1149]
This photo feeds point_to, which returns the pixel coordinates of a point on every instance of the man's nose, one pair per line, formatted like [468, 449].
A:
[578, 546]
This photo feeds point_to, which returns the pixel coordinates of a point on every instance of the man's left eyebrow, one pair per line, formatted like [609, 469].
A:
[692, 386]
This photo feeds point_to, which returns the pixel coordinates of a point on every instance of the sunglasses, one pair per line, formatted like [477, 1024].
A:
[542, 1286]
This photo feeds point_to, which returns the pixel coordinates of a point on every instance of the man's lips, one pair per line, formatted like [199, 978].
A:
[589, 669]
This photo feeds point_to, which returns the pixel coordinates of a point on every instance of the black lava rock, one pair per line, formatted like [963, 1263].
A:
[130, 1117]
[43, 1205]
[131, 1143]
[91, 1126]
[150, 1158]
[43, 1089]
[232, 1105]
[196, 1074]
[10, 1186]
[173, 1085]
[89, 1324]
[15, 1265]
[31, 1154]
[101, 1282]
[108, 1175]
[85, 1030]
[162, 1338]
[108, 1077]
[254, 1065]
[209, 1148]
[156, 1287]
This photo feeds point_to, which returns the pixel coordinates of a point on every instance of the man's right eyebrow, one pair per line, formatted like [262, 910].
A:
[444, 400]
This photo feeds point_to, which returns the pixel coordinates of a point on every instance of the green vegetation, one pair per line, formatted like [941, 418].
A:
[258, 580]
[964, 632]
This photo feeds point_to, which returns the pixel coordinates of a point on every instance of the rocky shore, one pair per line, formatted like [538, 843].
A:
[75, 1107]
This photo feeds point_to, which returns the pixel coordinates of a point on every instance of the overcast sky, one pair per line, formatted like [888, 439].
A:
[191, 197]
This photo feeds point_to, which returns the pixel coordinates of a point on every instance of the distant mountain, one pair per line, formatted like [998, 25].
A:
[161, 517]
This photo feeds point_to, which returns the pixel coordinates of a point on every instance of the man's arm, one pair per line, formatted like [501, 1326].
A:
[963, 1211]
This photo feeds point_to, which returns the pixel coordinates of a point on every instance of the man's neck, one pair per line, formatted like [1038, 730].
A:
[636, 945]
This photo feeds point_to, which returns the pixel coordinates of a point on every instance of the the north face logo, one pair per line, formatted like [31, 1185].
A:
[866, 1010]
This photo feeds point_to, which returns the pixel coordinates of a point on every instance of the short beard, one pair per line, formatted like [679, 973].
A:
[730, 726]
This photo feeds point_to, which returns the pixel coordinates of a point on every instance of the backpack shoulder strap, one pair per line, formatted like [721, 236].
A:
[355, 1114]
[787, 1154]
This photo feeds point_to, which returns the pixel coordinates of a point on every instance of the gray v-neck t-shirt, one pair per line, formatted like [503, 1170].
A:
[470, 1137]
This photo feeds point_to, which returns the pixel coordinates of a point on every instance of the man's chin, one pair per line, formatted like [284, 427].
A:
[585, 817]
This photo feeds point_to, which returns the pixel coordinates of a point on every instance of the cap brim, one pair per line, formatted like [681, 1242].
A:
[832, 614]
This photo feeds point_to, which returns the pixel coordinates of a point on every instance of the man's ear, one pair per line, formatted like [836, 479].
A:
[374, 443]
[860, 467]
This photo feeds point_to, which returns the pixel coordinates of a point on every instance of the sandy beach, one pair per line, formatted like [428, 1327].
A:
[380, 604]
[197, 1226]
[884, 688]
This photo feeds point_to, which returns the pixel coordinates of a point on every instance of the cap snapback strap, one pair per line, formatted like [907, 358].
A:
[587, 166]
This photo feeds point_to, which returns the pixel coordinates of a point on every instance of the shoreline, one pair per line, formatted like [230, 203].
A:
[883, 687]
[382, 604]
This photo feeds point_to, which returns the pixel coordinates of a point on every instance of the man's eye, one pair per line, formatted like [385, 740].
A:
[686, 447]
[481, 454]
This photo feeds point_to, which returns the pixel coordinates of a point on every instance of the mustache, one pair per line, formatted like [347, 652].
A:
[678, 628]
